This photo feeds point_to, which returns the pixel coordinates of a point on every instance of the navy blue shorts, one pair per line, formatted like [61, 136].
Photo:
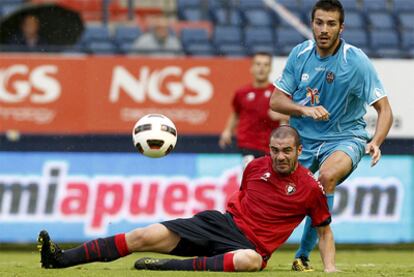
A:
[208, 233]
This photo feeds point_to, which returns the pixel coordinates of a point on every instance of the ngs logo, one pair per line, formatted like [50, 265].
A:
[19, 83]
[168, 85]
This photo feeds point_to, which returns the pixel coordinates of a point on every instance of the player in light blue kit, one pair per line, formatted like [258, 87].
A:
[325, 88]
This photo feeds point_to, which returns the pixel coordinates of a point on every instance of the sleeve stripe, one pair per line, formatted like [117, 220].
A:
[372, 103]
[281, 89]
[324, 223]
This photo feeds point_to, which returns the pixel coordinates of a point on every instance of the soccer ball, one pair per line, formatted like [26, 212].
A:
[154, 135]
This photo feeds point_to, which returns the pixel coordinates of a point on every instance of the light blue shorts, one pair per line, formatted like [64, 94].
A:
[314, 154]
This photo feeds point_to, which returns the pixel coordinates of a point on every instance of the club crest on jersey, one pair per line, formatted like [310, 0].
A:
[290, 188]
[265, 177]
[330, 77]
[313, 94]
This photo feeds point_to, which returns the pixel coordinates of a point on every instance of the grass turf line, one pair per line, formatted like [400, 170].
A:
[351, 262]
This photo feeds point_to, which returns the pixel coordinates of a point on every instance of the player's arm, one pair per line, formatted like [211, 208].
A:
[382, 128]
[327, 247]
[225, 138]
[275, 116]
[280, 102]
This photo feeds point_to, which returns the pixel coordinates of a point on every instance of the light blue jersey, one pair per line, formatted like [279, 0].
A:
[344, 83]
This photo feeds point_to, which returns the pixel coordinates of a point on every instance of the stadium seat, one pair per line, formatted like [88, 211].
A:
[194, 35]
[101, 47]
[246, 5]
[191, 14]
[384, 39]
[406, 21]
[226, 17]
[354, 19]
[227, 35]
[259, 17]
[291, 5]
[96, 33]
[200, 49]
[255, 37]
[350, 5]
[192, 10]
[284, 23]
[184, 4]
[380, 20]
[125, 47]
[286, 39]
[356, 37]
[403, 6]
[407, 39]
[375, 5]
[234, 50]
[126, 34]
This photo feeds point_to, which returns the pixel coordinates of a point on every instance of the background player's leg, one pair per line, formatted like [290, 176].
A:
[333, 170]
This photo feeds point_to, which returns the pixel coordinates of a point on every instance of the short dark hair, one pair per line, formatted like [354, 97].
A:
[329, 5]
[262, 53]
[284, 131]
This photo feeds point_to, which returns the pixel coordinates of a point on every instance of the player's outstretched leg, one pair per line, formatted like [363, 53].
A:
[98, 250]
[49, 251]
[240, 260]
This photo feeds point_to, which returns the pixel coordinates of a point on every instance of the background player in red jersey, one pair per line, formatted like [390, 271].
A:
[252, 118]
[275, 195]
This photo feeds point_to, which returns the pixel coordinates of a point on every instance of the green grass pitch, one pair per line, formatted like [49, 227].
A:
[351, 262]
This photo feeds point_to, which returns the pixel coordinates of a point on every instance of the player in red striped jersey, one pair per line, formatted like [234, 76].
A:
[275, 195]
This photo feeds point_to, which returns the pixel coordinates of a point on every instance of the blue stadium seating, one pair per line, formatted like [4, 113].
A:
[227, 35]
[292, 5]
[126, 34]
[101, 47]
[246, 5]
[381, 20]
[385, 41]
[356, 37]
[406, 20]
[235, 50]
[284, 23]
[191, 14]
[375, 5]
[259, 17]
[194, 35]
[184, 4]
[96, 33]
[255, 38]
[403, 6]
[226, 17]
[286, 39]
[200, 49]
[407, 39]
[350, 5]
[354, 19]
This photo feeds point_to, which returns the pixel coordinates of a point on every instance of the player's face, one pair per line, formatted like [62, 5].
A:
[261, 67]
[284, 154]
[326, 29]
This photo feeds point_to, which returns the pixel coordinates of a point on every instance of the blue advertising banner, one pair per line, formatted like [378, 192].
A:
[78, 196]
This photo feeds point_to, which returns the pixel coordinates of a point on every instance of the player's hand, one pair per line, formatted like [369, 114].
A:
[373, 149]
[225, 139]
[317, 112]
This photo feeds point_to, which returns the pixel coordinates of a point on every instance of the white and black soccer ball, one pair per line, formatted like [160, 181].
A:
[154, 135]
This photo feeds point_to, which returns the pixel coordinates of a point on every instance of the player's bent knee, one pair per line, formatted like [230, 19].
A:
[141, 237]
[247, 260]
[328, 180]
